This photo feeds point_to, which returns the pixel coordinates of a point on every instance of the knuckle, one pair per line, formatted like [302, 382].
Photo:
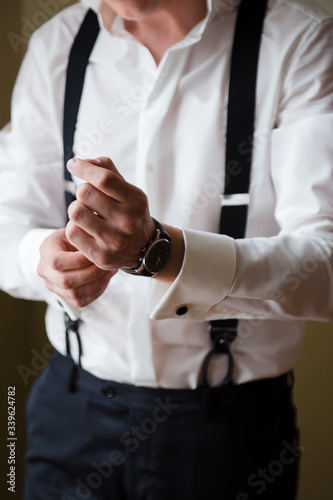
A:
[104, 179]
[83, 191]
[106, 161]
[70, 231]
[102, 258]
[75, 210]
[117, 245]
[81, 302]
[55, 262]
[65, 283]
[131, 226]
[141, 200]
[75, 298]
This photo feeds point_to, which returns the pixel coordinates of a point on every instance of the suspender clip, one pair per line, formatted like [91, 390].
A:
[232, 200]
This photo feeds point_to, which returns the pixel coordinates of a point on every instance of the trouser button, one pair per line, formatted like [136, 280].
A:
[109, 391]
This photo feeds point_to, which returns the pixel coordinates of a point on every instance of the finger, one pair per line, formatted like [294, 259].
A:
[91, 298]
[105, 162]
[83, 217]
[89, 247]
[74, 278]
[63, 261]
[107, 180]
[99, 203]
[102, 256]
[83, 295]
[58, 253]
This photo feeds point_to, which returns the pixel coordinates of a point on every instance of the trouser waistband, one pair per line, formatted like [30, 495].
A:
[264, 391]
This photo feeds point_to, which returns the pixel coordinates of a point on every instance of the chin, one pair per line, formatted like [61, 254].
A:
[135, 10]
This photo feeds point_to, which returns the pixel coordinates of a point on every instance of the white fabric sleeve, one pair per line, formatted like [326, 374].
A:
[289, 275]
[28, 257]
[194, 287]
[31, 173]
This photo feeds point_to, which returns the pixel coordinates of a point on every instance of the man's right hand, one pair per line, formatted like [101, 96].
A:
[68, 273]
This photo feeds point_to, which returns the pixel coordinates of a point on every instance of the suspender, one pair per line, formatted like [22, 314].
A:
[240, 129]
[76, 70]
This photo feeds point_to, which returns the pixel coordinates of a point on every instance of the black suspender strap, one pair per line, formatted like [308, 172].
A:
[240, 133]
[76, 70]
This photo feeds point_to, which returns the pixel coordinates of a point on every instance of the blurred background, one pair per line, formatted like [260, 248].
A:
[24, 345]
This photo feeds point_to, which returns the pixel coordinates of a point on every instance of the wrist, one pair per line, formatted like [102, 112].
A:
[155, 255]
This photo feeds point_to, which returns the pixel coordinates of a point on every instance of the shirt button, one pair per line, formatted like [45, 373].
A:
[109, 391]
[149, 167]
[182, 310]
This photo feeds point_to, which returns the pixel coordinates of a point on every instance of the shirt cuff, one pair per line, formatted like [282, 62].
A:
[205, 278]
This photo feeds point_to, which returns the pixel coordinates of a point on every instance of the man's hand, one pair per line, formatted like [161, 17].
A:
[110, 221]
[68, 273]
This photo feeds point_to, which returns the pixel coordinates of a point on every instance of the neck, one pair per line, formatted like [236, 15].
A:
[168, 25]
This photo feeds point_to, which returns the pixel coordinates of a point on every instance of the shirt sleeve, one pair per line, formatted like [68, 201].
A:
[289, 275]
[193, 292]
[31, 174]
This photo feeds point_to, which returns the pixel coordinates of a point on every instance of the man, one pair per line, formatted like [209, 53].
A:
[145, 417]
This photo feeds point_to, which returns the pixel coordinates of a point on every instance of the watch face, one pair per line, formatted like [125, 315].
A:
[157, 256]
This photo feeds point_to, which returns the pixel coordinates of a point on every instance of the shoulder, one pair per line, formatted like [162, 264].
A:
[295, 26]
[42, 74]
[56, 35]
[303, 10]
[293, 19]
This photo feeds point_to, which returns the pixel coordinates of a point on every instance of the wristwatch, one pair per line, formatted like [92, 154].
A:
[155, 254]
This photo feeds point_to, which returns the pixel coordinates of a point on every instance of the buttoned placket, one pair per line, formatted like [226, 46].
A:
[166, 79]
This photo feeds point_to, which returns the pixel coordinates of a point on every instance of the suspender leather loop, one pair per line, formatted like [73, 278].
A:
[222, 333]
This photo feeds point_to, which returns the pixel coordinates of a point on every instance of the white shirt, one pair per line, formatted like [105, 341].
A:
[164, 128]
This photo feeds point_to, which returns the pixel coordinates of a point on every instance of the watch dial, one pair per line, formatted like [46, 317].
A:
[158, 256]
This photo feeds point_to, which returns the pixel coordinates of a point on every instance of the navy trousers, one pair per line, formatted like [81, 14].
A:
[111, 441]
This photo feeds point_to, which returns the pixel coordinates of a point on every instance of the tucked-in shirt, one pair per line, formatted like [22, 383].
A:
[164, 127]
